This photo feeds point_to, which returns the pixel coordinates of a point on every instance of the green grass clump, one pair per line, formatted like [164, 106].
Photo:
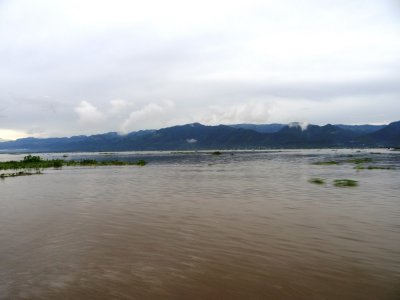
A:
[345, 182]
[379, 168]
[326, 163]
[32, 159]
[94, 163]
[31, 162]
[358, 167]
[57, 163]
[88, 162]
[317, 180]
[141, 162]
[20, 173]
[216, 153]
[36, 162]
[360, 160]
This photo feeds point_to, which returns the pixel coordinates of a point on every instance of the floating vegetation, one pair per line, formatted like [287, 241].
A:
[93, 163]
[86, 162]
[107, 153]
[184, 152]
[360, 160]
[31, 162]
[358, 167]
[20, 173]
[36, 162]
[352, 160]
[326, 163]
[317, 180]
[141, 162]
[57, 163]
[216, 153]
[345, 182]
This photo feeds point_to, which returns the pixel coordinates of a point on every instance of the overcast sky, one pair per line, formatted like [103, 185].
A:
[83, 67]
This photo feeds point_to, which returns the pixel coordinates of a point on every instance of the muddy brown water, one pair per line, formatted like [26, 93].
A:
[197, 226]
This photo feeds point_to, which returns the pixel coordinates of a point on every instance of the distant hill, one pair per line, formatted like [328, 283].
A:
[387, 136]
[361, 129]
[262, 128]
[275, 127]
[197, 136]
[111, 141]
[314, 136]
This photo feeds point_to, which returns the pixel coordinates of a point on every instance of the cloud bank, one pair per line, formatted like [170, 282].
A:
[83, 67]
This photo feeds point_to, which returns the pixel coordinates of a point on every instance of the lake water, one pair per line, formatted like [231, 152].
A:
[241, 225]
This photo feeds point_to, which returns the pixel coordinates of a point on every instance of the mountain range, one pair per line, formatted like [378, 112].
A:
[196, 136]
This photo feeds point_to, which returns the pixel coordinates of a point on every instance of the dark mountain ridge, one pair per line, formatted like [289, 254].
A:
[275, 127]
[197, 137]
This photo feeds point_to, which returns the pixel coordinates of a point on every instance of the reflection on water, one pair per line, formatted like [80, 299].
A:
[198, 226]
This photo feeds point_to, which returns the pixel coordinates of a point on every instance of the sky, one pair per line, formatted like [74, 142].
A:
[84, 67]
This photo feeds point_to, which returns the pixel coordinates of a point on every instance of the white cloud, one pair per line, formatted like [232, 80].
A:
[250, 112]
[10, 134]
[88, 113]
[218, 61]
[118, 106]
[148, 116]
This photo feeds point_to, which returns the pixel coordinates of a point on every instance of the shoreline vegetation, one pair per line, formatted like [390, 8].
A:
[36, 163]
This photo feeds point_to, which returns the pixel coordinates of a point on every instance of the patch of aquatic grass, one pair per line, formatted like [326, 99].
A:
[35, 162]
[358, 167]
[20, 173]
[31, 162]
[317, 180]
[57, 163]
[345, 182]
[141, 162]
[183, 152]
[326, 163]
[360, 160]
[92, 162]
[88, 162]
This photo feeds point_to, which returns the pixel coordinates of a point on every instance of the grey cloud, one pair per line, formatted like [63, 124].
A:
[237, 65]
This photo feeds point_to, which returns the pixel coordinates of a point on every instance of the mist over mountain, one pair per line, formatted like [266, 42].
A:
[196, 136]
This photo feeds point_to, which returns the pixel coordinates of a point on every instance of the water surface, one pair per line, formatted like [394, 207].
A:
[241, 225]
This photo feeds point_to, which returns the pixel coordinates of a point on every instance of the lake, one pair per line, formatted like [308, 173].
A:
[192, 225]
